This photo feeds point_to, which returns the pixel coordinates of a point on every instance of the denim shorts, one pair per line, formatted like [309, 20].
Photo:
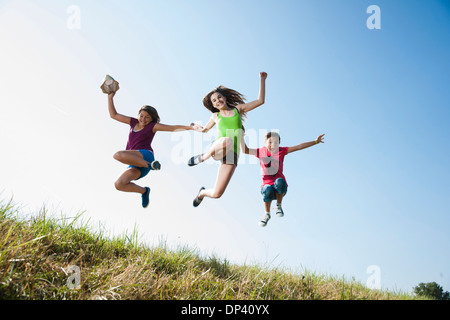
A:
[269, 192]
[149, 157]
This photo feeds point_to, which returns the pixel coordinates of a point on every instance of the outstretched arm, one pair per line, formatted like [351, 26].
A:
[246, 107]
[112, 110]
[246, 149]
[209, 125]
[306, 144]
[172, 128]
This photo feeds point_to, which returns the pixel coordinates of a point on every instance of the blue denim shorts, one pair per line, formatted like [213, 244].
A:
[269, 192]
[149, 157]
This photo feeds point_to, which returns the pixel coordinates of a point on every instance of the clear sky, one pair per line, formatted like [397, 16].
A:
[375, 194]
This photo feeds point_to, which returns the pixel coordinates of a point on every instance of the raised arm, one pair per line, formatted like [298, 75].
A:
[306, 144]
[112, 110]
[246, 107]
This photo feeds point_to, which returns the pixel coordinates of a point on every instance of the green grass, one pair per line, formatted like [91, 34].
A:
[36, 253]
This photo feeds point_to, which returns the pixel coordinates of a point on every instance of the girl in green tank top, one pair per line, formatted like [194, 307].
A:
[228, 107]
[230, 127]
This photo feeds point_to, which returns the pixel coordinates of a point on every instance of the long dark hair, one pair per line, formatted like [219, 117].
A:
[152, 112]
[233, 98]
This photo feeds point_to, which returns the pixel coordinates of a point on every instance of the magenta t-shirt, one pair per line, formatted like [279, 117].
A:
[271, 164]
[141, 139]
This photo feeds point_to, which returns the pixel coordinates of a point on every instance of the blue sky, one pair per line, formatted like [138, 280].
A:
[376, 193]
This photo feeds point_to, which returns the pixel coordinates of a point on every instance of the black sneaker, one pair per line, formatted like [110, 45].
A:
[197, 201]
[156, 165]
[146, 197]
[195, 160]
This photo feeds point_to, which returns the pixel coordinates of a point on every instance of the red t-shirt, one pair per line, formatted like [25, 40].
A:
[271, 164]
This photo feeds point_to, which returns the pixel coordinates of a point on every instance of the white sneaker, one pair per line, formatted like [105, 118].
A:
[280, 212]
[264, 221]
[195, 160]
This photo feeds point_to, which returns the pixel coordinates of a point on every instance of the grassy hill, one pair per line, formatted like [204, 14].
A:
[38, 255]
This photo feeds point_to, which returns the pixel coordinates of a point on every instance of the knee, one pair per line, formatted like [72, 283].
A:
[118, 155]
[119, 185]
[268, 193]
[280, 186]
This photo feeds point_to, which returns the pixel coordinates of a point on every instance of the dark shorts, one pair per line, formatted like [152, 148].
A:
[269, 192]
[149, 157]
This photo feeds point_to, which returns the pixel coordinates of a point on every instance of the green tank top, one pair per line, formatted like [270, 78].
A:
[230, 127]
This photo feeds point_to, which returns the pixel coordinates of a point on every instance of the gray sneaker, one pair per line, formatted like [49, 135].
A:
[280, 212]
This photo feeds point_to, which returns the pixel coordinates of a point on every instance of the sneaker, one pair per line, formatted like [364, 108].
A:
[156, 165]
[195, 160]
[280, 212]
[264, 221]
[197, 201]
[146, 197]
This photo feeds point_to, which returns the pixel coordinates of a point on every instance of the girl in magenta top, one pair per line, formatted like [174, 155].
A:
[138, 153]
[271, 159]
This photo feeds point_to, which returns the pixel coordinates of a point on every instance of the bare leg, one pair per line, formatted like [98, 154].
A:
[124, 182]
[267, 206]
[224, 175]
[131, 157]
[279, 197]
[279, 210]
[266, 218]
[218, 149]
